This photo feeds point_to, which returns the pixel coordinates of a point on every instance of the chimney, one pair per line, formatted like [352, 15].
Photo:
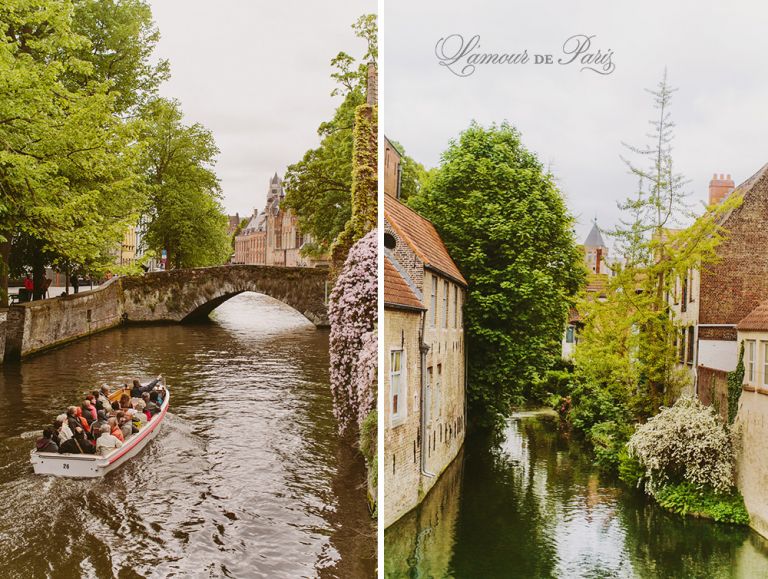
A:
[719, 188]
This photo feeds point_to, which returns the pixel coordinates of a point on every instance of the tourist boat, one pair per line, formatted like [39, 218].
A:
[94, 465]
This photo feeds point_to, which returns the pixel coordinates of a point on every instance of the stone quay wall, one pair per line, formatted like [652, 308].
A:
[172, 296]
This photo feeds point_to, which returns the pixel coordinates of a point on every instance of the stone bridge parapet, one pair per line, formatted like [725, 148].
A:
[169, 296]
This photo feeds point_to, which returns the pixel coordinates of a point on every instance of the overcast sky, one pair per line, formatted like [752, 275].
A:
[576, 120]
[257, 74]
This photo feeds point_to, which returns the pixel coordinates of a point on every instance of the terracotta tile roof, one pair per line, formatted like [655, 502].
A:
[755, 320]
[422, 237]
[397, 292]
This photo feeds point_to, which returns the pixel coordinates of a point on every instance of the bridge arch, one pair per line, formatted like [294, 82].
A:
[192, 294]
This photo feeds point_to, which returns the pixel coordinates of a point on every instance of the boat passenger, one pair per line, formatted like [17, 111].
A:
[78, 444]
[84, 424]
[125, 402]
[46, 443]
[138, 389]
[65, 432]
[153, 405]
[107, 442]
[114, 429]
[141, 416]
[89, 411]
[104, 396]
[124, 424]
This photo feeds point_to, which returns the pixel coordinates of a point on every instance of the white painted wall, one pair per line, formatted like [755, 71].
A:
[718, 354]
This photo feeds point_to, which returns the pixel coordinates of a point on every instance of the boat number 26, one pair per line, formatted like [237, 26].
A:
[65, 466]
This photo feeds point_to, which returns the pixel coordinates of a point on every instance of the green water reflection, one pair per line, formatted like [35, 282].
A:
[532, 505]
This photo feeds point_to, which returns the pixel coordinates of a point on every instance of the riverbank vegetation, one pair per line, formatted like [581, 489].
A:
[506, 226]
[627, 392]
[78, 105]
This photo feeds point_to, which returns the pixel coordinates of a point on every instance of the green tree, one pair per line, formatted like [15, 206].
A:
[184, 216]
[319, 186]
[506, 226]
[67, 161]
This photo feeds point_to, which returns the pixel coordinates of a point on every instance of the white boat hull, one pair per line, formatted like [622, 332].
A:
[94, 465]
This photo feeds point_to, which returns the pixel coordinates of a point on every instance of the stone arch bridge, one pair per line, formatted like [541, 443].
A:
[179, 295]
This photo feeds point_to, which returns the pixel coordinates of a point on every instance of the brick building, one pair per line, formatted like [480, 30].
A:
[424, 358]
[709, 304]
[273, 237]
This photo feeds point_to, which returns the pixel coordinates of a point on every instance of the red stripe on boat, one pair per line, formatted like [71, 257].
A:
[143, 434]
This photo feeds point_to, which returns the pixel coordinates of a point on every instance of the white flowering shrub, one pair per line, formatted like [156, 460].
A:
[685, 442]
[353, 312]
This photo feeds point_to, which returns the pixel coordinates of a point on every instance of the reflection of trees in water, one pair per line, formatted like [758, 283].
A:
[421, 543]
[662, 544]
[506, 526]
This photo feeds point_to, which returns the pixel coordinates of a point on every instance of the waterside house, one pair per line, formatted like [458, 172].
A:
[424, 354]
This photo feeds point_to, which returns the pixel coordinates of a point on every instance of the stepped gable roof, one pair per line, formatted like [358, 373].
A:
[422, 237]
[756, 320]
[397, 291]
[595, 238]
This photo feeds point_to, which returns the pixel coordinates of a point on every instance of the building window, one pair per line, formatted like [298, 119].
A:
[682, 346]
[690, 286]
[691, 344]
[675, 289]
[684, 297]
[460, 301]
[397, 400]
[446, 296]
[455, 306]
[570, 334]
[438, 384]
[765, 363]
[433, 302]
[750, 349]
[428, 400]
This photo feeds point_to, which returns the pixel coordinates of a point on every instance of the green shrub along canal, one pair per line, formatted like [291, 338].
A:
[532, 505]
[247, 477]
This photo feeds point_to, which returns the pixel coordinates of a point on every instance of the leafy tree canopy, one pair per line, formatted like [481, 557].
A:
[506, 226]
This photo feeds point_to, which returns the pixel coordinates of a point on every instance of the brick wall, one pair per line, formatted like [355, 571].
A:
[407, 258]
[735, 285]
[712, 389]
[402, 442]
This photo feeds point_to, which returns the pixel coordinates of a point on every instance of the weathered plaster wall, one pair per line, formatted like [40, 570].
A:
[172, 296]
[752, 461]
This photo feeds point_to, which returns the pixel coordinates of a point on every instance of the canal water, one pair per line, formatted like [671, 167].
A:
[247, 477]
[532, 506]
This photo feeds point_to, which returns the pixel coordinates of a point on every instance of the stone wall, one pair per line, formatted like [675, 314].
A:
[751, 457]
[402, 439]
[405, 485]
[39, 325]
[186, 294]
[172, 296]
